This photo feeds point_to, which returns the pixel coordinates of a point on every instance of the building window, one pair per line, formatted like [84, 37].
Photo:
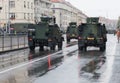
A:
[31, 5]
[53, 11]
[12, 4]
[24, 4]
[53, 6]
[28, 16]
[31, 16]
[24, 15]
[12, 16]
[28, 5]
[36, 3]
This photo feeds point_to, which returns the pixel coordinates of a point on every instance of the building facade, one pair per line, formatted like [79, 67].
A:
[66, 13]
[111, 24]
[42, 8]
[30, 11]
[17, 11]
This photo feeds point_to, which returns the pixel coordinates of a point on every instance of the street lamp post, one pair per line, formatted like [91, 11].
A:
[8, 23]
[8, 18]
[0, 20]
[60, 19]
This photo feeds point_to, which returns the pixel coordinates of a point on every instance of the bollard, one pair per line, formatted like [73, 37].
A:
[18, 40]
[2, 43]
[10, 42]
[49, 62]
[24, 40]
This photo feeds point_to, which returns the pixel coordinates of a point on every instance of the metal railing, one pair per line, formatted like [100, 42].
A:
[12, 42]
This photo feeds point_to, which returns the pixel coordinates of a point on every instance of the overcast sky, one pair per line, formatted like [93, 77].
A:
[106, 8]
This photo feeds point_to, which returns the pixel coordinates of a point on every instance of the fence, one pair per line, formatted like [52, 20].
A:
[13, 42]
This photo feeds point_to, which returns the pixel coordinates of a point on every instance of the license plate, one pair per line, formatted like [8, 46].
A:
[73, 35]
[49, 40]
[90, 38]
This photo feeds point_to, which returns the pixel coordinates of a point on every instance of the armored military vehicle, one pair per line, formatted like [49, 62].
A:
[118, 23]
[19, 27]
[45, 33]
[71, 32]
[92, 33]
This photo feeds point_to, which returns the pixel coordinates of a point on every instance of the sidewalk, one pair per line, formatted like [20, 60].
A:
[14, 48]
[115, 75]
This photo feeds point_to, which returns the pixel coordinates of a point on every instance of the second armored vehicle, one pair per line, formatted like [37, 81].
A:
[92, 33]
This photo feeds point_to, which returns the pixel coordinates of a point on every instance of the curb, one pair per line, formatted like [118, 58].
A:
[2, 52]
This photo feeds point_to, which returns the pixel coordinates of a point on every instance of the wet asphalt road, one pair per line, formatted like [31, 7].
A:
[69, 66]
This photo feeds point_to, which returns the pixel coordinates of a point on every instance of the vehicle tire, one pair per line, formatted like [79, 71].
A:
[102, 48]
[32, 48]
[52, 47]
[41, 48]
[68, 40]
[59, 45]
[85, 48]
[81, 48]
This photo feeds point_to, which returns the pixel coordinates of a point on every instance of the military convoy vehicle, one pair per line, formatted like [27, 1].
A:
[118, 23]
[45, 33]
[71, 32]
[92, 33]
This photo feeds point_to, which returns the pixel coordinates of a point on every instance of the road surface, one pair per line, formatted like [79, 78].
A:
[68, 66]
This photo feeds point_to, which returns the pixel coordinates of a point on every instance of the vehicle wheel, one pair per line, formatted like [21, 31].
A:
[105, 47]
[102, 48]
[85, 48]
[81, 48]
[41, 48]
[59, 45]
[32, 48]
[68, 40]
[52, 47]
